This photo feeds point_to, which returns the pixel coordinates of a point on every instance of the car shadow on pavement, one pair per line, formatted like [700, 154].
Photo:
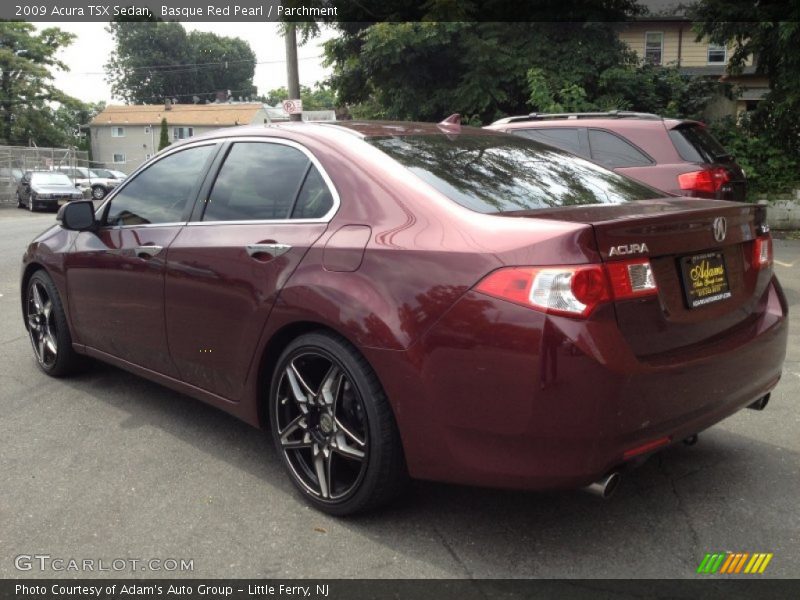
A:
[721, 494]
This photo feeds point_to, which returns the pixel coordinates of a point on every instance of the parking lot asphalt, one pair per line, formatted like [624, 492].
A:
[109, 466]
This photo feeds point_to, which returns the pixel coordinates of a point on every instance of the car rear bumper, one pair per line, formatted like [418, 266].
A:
[503, 396]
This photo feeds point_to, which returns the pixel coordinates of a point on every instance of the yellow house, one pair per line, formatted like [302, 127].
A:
[666, 38]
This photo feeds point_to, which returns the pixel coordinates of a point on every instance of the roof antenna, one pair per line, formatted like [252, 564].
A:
[451, 124]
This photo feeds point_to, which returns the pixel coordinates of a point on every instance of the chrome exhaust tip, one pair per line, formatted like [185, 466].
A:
[759, 404]
[605, 487]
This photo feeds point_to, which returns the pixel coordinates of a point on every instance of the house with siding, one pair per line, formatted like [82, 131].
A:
[123, 137]
[665, 37]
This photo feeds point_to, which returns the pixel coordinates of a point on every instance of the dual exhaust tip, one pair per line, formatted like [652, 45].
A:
[604, 488]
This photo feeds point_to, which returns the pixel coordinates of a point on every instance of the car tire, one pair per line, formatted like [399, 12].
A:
[20, 204]
[47, 327]
[98, 192]
[30, 204]
[327, 407]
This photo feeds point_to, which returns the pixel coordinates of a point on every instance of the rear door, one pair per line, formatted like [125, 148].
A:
[269, 203]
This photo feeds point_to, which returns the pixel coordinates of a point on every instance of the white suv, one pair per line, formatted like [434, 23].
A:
[87, 179]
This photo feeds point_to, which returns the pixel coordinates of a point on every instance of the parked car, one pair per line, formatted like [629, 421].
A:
[396, 299]
[87, 178]
[677, 156]
[45, 189]
[10, 176]
[110, 174]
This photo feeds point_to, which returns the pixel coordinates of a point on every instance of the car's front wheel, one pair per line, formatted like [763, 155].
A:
[333, 427]
[47, 327]
[98, 192]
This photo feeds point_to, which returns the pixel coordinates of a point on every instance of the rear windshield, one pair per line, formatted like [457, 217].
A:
[504, 173]
[695, 144]
[50, 179]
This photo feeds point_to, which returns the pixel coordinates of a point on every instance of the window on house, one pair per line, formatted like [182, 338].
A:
[717, 55]
[117, 132]
[654, 47]
[181, 133]
[119, 158]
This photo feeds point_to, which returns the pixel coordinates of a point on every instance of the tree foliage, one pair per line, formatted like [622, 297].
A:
[163, 138]
[320, 97]
[154, 60]
[32, 109]
[769, 31]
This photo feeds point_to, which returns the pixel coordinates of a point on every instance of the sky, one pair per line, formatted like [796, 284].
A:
[93, 45]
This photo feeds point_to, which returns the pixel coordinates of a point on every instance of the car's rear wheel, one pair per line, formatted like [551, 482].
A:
[47, 327]
[333, 427]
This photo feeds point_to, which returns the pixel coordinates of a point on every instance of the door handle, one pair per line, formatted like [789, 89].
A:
[274, 250]
[147, 251]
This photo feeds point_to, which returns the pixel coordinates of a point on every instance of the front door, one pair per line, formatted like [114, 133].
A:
[266, 208]
[115, 275]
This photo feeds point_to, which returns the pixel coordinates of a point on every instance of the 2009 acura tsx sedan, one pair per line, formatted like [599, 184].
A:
[402, 299]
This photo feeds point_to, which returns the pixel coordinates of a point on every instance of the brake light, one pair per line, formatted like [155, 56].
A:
[707, 180]
[646, 447]
[571, 290]
[762, 252]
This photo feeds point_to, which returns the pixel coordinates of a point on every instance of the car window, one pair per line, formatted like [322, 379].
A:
[612, 151]
[315, 199]
[50, 179]
[505, 173]
[159, 194]
[566, 138]
[695, 144]
[257, 181]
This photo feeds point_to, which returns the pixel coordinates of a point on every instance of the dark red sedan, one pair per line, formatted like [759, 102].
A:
[401, 299]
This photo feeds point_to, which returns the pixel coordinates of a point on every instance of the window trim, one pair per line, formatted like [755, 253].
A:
[716, 49]
[118, 162]
[188, 129]
[196, 218]
[625, 140]
[120, 128]
[660, 63]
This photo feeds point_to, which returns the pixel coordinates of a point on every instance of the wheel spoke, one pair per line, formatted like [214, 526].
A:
[349, 433]
[298, 422]
[322, 468]
[37, 298]
[33, 323]
[330, 387]
[298, 386]
[50, 342]
[345, 449]
[47, 309]
[40, 343]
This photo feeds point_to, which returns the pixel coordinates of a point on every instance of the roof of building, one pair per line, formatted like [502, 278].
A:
[211, 115]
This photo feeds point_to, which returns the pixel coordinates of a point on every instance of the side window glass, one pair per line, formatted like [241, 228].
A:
[160, 193]
[612, 151]
[258, 181]
[315, 199]
[565, 138]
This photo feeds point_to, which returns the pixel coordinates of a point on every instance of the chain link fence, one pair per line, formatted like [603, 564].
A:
[15, 160]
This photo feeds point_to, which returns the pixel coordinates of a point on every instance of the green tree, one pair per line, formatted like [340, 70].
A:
[27, 93]
[163, 140]
[770, 32]
[442, 60]
[321, 97]
[154, 60]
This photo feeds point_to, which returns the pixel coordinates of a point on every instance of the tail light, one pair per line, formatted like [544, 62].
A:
[707, 180]
[762, 252]
[571, 290]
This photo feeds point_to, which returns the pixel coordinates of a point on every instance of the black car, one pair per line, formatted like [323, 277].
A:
[45, 189]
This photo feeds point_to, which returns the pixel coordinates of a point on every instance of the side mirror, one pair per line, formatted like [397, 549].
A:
[77, 216]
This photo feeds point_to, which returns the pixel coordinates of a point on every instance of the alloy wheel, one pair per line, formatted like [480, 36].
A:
[322, 426]
[98, 193]
[41, 325]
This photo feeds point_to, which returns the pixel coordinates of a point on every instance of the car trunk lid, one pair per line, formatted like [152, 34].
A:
[677, 236]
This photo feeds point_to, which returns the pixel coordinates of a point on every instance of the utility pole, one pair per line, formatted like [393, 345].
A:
[292, 73]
